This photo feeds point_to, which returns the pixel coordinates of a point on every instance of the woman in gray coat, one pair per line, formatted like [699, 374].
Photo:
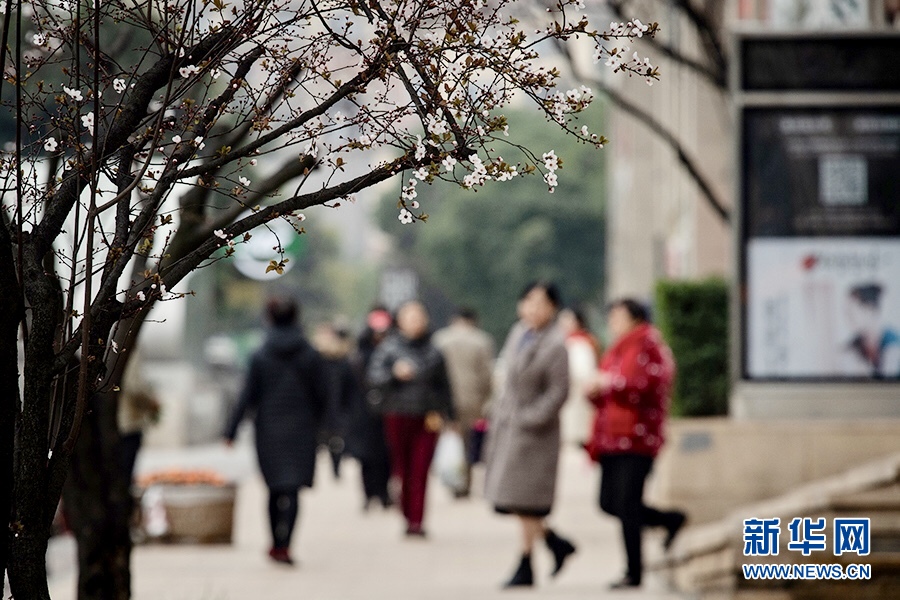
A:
[524, 437]
[286, 392]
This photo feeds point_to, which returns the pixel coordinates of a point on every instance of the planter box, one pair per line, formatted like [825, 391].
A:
[197, 514]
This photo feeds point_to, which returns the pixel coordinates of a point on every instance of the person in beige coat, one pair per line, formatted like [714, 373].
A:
[469, 354]
[524, 437]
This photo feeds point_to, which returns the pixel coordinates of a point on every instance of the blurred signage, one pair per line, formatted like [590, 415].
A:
[820, 208]
[823, 62]
[823, 307]
[276, 240]
[819, 14]
[398, 286]
[825, 171]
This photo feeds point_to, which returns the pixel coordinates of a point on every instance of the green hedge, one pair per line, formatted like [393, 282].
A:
[693, 318]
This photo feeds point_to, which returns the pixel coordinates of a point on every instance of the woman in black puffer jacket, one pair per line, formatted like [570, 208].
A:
[286, 394]
[409, 374]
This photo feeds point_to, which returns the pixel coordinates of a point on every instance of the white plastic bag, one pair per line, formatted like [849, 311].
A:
[153, 507]
[450, 461]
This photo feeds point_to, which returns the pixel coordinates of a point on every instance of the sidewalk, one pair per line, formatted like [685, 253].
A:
[345, 554]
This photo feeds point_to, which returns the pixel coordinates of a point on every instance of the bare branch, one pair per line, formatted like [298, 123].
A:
[175, 272]
[124, 124]
[716, 76]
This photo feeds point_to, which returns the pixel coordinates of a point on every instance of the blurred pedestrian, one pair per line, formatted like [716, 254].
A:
[631, 391]
[524, 437]
[584, 355]
[366, 441]
[138, 410]
[334, 344]
[469, 354]
[410, 373]
[287, 395]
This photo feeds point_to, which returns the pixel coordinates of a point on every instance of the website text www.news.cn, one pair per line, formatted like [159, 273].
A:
[808, 536]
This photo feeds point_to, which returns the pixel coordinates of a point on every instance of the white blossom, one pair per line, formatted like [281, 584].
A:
[436, 125]
[421, 173]
[420, 148]
[119, 85]
[188, 70]
[244, 181]
[551, 180]
[75, 94]
[449, 162]
[253, 162]
[220, 234]
[551, 161]
[409, 193]
[405, 216]
[176, 139]
[39, 39]
[88, 121]
[140, 296]
[50, 145]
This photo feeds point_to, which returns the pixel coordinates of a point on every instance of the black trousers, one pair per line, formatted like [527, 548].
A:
[376, 472]
[283, 508]
[622, 496]
[130, 445]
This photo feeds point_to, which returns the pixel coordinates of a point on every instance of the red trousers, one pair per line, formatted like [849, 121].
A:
[412, 448]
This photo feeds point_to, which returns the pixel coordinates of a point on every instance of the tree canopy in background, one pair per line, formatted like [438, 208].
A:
[480, 249]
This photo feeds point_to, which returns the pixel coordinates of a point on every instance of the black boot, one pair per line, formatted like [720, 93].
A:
[561, 549]
[673, 528]
[523, 577]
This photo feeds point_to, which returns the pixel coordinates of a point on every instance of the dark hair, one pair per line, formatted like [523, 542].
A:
[868, 294]
[550, 288]
[580, 316]
[282, 311]
[636, 309]
[468, 313]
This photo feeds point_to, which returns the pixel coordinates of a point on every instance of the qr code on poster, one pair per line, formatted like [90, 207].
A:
[843, 180]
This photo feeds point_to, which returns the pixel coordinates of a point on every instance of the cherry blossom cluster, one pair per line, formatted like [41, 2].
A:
[325, 90]
[618, 58]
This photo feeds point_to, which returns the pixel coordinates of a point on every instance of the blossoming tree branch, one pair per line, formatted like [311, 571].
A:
[151, 136]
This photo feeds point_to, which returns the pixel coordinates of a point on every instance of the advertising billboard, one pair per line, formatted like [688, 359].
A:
[823, 308]
[821, 251]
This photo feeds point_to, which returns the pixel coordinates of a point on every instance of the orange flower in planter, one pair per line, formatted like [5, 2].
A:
[182, 477]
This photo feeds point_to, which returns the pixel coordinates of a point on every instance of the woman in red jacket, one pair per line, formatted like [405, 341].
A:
[631, 392]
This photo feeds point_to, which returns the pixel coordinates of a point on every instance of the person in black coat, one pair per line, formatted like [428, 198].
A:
[287, 395]
[334, 344]
[366, 441]
[409, 373]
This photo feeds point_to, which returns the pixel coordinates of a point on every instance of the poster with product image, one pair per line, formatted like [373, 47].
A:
[823, 308]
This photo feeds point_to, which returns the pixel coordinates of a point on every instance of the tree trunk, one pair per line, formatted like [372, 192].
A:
[10, 314]
[32, 515]
[97, 499]
[27, 564]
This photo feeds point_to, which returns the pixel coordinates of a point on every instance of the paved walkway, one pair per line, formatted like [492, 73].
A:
[345, 554]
